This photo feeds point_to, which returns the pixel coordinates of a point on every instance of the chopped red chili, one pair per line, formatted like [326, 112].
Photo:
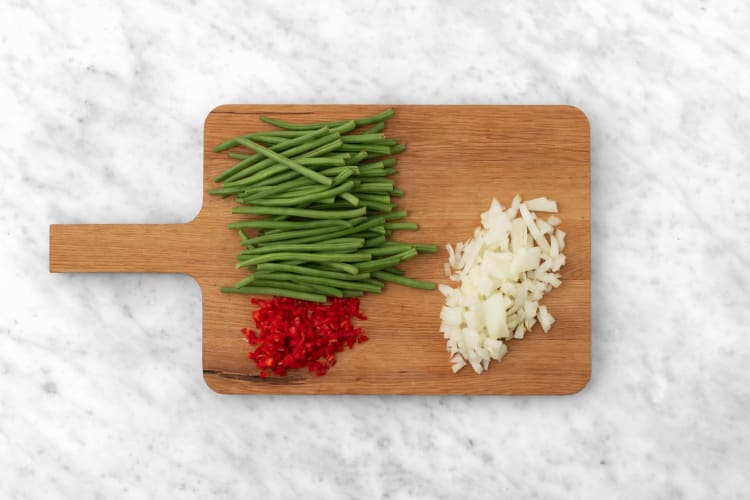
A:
[291, 333]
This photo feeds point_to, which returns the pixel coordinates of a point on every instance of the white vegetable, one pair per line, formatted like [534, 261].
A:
[504, 271]
[541, 205]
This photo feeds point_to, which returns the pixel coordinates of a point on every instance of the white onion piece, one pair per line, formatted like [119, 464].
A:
[503, 272]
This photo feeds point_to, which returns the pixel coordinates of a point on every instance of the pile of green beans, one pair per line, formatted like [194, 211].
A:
[324, 209]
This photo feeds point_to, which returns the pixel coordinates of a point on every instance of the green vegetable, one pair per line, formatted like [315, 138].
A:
[308, 257]
[300, 212]
[279, 292]
[283, 160]
[323, 195]
[400, 280]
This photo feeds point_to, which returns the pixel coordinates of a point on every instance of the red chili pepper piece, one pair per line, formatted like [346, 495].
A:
[292, 333]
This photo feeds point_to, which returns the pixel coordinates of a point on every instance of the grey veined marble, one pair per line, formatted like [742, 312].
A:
[101, 114]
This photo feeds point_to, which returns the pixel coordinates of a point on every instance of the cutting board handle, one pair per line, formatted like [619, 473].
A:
[121, 248]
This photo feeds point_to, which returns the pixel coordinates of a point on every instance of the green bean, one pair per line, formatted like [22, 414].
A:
[378, 264]
[311, 247]
[325, 235]
[269, 224]
[323, 149]
[284, 146]
[274, 181]
[386, 142]
[356, 158]
[297, 269]
[266, 138]
[393, 270]
[382, 198]
[408, 226]
[306, 197]
[277, 189]
[377, 128]
[344, 175]
[380, 207]
[300, 126]
[319, 280]
[400, 280]
[283, 160]
[361, 138]
[399, 214]
[301, 212]
[341, 266]
[226, 190]
[352, 293]
[373, 188]
[397, 192]
[277, 133]
[380, 117]
[398, 148]
[268, 280]
[373, 173]
[279, 292]
[290, 235]
[308, 257]
[419, 247]
[369, 148]
[345, 127]
[350, 199]
[388, 250]
[375, 241]
[305, 150]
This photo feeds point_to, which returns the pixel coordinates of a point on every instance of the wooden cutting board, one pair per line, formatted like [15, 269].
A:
[457, 159]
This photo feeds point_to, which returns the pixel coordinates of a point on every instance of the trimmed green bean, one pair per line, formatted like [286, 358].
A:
[380, 117]
[300, 126]
[400, 280]
[352, 293]
[283, 160]
[319, 280]
[350, 199]
[368, 148]
[378, 264]
[375, 129]
[345, 127]
[398, 148]
[397, 192]
[270, 224]
[393, 270]
[408, 226]
[308, 257]
[381, 198]
[301, 212]
[306, 197]
[311, 247]
[375, 241]
[285, 146]
[304, 150]
[279, 292]
[297, 269]
[326, 235]
[419, 247]
[362, 138]
[356, 158]
[341, 266]
[387, 250]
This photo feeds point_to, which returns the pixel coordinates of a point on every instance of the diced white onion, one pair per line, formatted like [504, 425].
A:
[504, 271]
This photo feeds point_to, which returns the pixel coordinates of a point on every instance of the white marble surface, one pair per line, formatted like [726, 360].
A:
[101, 115]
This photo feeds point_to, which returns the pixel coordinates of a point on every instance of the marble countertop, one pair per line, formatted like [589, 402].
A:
[101, 392]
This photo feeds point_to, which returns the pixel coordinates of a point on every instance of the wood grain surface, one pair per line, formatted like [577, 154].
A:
[457, 159]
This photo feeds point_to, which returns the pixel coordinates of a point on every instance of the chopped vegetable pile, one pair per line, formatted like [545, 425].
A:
[293, 333]
[505, 270]
[324, 206]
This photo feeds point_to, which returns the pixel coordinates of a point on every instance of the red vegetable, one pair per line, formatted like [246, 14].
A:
[291, 333]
